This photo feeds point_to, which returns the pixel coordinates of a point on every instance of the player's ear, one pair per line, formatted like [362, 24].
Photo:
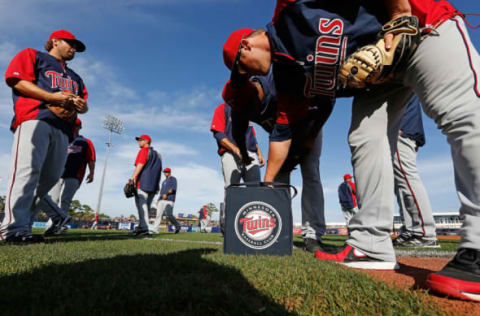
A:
[246, 44]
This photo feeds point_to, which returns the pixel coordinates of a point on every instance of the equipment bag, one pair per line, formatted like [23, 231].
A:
[258, 218]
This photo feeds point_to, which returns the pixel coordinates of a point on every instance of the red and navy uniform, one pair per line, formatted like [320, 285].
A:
[347, 195]
[80, 152]
[222, 128]
[169, 184]
[49, 74]
[149, 178]
[412, 123]
[203, 213]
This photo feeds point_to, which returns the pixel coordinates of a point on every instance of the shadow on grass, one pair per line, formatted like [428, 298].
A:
[79, 236]
[180, 283]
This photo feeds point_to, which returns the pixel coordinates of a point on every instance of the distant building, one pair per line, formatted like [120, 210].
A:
[448, 223]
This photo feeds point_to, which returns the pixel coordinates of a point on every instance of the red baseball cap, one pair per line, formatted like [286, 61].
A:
[167, 170]
[64, 34]
[347, 176]
[232, 46]
[78, 122]
[144, 137]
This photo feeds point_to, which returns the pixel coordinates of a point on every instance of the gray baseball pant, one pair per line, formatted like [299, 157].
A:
[414, 204]
[313, 202]
[143, 201]
[443, 72]
[61, 194]
[233, 171]
[39, 153]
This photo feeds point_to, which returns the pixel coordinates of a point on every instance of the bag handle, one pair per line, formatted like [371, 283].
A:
[265, 184]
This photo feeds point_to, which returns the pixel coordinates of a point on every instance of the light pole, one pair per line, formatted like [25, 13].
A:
[114, 125]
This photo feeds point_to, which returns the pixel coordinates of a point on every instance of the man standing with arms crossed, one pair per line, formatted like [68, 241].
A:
[148, 170]
[43, 87]
[80, 154]
[166, 201]
[347, 196]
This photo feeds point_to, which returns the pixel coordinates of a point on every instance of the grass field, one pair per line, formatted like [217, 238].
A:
[108, 272]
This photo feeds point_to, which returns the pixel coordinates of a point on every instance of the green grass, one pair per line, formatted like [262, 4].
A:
[107, 272]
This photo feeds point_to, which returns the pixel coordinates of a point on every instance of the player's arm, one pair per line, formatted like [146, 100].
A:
[31, 90]
[91, 171]
[230, 146]
[277, 154]
[261, 158]
[138, 169]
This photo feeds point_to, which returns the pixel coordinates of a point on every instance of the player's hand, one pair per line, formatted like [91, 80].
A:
[60, 99]
[90, 178]
[236, 152]
[79, 104]
[261, 160]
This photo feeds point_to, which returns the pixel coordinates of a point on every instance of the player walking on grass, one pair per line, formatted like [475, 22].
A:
[166, 201]
[306, 43]
[148, 170]
[47, 94]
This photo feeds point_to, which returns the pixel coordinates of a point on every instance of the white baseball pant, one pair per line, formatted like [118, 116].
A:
[443, 72]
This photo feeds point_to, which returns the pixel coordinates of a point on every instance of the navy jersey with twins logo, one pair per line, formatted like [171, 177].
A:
[222, 128]
[49, 74]
[309, 40]
[80, 152]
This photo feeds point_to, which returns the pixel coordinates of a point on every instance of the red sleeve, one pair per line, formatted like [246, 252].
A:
[90, 151]
[84, 92]
[281, 4]
[142, 156]
[253, 131]
[218, 120]
[21, 67]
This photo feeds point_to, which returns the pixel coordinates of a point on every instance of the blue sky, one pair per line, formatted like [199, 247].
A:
[158, 66]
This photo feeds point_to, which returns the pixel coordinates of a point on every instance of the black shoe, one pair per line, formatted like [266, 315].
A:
[417, 242]
[397, 242]
[177, 230]
[57, 225]
[24, 238]
[460, 278]
[141, 233]
[312, 245]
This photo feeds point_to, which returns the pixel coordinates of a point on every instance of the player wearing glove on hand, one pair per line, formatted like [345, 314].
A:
[43, 89]
[442, 71]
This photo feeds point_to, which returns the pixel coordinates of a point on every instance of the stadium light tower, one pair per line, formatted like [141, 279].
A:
[114, 125]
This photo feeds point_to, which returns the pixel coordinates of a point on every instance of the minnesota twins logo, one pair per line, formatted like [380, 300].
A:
[258, 225]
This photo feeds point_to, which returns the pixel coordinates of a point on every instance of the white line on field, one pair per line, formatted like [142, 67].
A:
[187, 241]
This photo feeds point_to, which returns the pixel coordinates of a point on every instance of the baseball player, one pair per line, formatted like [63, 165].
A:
[441, 71]
[80, 154]
[47, 94]
[148, 170]
[236, 165]
[347, 197]
[418, 229]
[305, 151]
[203, 217]
[166, 201]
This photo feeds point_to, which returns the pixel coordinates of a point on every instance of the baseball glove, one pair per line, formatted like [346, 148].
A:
[66, 112]
[373, 64]
[129, 189]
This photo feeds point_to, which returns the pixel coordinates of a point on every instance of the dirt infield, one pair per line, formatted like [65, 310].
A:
[412, 275]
